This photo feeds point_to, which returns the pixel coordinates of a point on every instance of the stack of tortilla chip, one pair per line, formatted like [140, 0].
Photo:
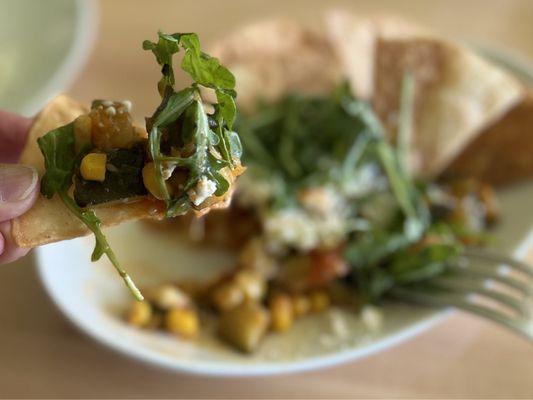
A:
[465, 108]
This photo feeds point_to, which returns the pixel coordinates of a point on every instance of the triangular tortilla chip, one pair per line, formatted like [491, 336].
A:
[457, 94]
[49, 220]
[271, 58]
[354, 38]
[503, 152]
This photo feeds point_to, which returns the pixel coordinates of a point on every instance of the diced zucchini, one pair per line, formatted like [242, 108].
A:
[244, 326]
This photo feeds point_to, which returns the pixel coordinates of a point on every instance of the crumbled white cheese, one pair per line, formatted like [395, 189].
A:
[110, 111]
[107, 103]
[204, 188]
[372, 318]
[364, 180]
[167, 170]
[294, 227]
[127, 105]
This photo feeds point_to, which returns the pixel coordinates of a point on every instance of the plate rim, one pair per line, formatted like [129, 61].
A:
[79, 50]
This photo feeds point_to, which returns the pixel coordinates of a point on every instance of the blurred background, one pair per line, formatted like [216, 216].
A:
[116, 60]
[93, 49]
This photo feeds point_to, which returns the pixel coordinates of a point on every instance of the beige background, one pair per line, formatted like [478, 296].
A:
[42, 355]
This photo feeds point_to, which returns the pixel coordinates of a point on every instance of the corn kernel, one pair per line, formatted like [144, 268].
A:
[301, 305]
[150, 181]
[227, 296]
[281, 313]
[82, 132]
[319, 301]
[182, 321]
[92, 167]
[139, 314]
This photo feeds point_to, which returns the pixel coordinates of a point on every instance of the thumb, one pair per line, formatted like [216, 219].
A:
[18, 189]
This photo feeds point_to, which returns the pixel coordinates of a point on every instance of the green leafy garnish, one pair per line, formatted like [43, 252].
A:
[60, 160]
[210, 135]
[57, 147]
[182, 136]
[392, 235]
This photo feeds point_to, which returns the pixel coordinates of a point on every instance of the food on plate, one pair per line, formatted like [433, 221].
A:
[338, 219]
[104, 169]
[354, 135]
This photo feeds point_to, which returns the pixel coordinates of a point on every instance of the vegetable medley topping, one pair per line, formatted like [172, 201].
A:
[189, 159]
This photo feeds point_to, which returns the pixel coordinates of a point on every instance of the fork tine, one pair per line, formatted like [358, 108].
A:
[489, 274]
[469, 286]
[425, 298]
[500, 259]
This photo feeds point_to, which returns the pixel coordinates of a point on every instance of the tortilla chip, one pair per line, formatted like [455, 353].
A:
[353, 39]
[503, 152]
[272, 58]
[49, 220]
[457, 94]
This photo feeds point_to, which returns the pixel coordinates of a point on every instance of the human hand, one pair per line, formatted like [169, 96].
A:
[19, 184]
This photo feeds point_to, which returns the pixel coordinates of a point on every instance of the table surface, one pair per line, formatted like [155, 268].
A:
[42, 355]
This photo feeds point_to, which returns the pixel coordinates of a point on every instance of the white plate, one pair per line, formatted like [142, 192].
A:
[92, 296]
[41, 56]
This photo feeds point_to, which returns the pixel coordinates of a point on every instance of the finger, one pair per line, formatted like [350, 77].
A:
[9, 251]
[18, 189]
[13, 133]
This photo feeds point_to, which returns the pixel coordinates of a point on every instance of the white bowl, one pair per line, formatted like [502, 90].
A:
[92, 296]
[41, 56]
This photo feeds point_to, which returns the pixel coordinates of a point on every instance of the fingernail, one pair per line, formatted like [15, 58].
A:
[17, 182]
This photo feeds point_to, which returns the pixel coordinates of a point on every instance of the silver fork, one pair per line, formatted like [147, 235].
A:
[483, 283]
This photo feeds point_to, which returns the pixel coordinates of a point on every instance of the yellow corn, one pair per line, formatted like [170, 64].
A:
[150, 182]
[281, 313]
[92, 167]
[82, 132]
[139, 314]
[182, 321]
[301, 305]
[319, 301]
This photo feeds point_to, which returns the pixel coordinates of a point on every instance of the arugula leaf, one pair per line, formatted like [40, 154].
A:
[60, 158]
[373, 247]
[203, 69]
[187, 107]
[405, 120]
[101, 246]
[405, 192]
[57, 147]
